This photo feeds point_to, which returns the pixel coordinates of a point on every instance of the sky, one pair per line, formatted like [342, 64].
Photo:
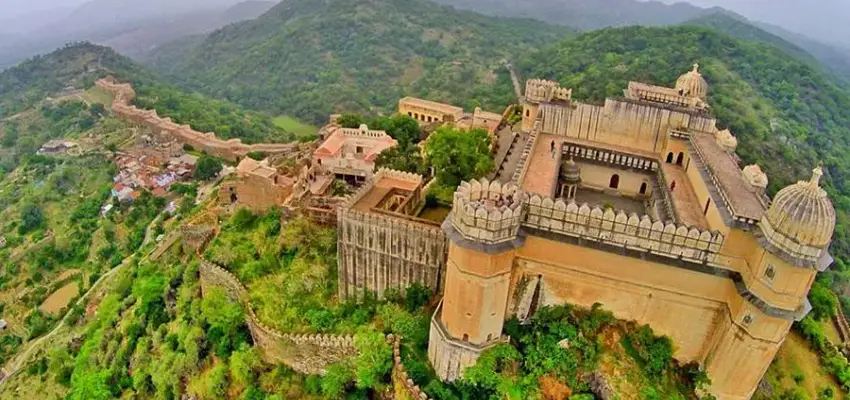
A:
[13, 8]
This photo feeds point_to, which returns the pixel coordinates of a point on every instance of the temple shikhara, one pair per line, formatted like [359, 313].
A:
[639, 204]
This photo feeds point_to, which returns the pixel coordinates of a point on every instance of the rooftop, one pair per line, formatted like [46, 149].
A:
[445, 108]
[741, 198]
[382, 187]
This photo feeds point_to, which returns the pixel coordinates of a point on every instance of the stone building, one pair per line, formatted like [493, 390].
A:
[639, 205]
[351, 153]
[382, 244]
[432, 112]
[257, 186]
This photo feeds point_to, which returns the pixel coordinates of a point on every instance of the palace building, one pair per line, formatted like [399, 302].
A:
[638, 204]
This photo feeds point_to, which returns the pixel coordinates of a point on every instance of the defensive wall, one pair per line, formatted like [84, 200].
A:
[232, 149]
[304, 353]
[379, 250]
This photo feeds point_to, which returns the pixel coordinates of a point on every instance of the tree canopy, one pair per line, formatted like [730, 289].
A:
[458, 155]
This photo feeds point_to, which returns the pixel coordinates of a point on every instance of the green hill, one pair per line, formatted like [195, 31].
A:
[309, 58]
[76, 66]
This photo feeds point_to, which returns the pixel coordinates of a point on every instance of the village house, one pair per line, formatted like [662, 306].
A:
[257, 186]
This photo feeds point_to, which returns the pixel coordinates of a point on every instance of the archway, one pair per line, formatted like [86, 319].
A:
[669, 158]
[643, 188]
[680, 159]
[615, 182]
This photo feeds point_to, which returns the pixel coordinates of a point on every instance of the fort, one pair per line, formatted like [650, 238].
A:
[232, 149]
[638, 204]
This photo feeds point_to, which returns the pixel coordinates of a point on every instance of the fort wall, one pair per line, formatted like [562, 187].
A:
[232, 149]
[307, 354]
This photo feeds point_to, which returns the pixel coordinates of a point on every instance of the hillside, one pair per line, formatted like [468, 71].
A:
[596, 14]
[587, 14]
[75, 67]
[309, 58]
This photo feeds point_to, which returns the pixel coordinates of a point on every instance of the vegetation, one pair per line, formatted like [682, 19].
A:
[207, 167]
[399, 47]
[458, 155]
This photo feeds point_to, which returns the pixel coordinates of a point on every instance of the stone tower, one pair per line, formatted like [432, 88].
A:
[483, 230]
[792, 247]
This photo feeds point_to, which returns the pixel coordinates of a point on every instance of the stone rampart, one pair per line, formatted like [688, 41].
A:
[487, 212]
[304, 353]
[403, 385]
[622, 230]
[232, 149]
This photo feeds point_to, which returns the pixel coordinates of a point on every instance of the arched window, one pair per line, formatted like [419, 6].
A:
[465, 337]
[416, 116]
[669, 158]
[643, 188]
[673, 186]
[615, 182]
[409, 114]
[527, 112]
[680, 159]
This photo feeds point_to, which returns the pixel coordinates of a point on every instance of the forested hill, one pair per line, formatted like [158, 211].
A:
[788, 116]
[76, 66]
[309, 58]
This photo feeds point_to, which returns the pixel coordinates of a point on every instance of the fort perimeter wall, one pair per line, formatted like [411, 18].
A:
[232, 149]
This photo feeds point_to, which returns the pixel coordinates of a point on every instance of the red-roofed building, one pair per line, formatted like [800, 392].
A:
[351, 153]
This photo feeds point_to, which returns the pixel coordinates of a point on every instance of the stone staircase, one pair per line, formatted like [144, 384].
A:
[510, 160]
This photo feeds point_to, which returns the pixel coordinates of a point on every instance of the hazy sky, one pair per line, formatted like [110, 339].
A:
[12, 8]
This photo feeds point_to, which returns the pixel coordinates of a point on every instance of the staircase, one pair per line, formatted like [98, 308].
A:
[509, 161]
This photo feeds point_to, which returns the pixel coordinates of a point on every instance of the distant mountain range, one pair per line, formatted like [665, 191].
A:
[131, 27]
[596, 14]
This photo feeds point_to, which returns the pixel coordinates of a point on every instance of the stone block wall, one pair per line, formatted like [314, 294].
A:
[378, 252]
[404, 387]
[617, 228]
[307, 354]
[487, 212]
[232, 149]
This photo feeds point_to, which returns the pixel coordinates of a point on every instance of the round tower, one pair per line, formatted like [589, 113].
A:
[484, 231]
[791, 247]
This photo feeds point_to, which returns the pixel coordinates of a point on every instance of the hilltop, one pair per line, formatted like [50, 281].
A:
[309, 58]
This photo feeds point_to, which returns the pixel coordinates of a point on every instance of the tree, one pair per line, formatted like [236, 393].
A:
[458, 155]
[207, 167]
[375, 359]
[404, 157]
[349, 121]
[31, 218]
[823, 301]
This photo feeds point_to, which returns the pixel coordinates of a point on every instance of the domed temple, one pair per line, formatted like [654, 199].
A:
[639, 204]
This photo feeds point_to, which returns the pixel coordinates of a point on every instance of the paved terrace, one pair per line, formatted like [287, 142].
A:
[543, 167]
[685, 201]
[380, 190]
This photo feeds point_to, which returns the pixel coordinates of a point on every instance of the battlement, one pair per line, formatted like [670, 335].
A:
[487, 211]
[629, 231]
[364, 131]
[541, 90]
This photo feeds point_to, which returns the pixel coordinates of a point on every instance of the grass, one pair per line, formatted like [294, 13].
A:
[299, 128]
[796, 358]
[98, 95]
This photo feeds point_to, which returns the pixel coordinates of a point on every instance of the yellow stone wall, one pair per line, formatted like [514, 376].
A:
[476, 283]
[599, 177]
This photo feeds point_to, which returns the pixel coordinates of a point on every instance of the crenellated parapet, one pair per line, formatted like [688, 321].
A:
[616, 228]
[487, 212]
[405, 388]
[231, 149]
[541, 91]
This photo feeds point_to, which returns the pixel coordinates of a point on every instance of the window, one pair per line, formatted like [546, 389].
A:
[643, 188]
[669, 158]
[358, 149]
[465, 337]
[673, 186]
[615, 182]
[707, 204]
[430, 119]
[489, 337]
[680, 159]
[770, 272]
[409, 114]
[527, 112]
